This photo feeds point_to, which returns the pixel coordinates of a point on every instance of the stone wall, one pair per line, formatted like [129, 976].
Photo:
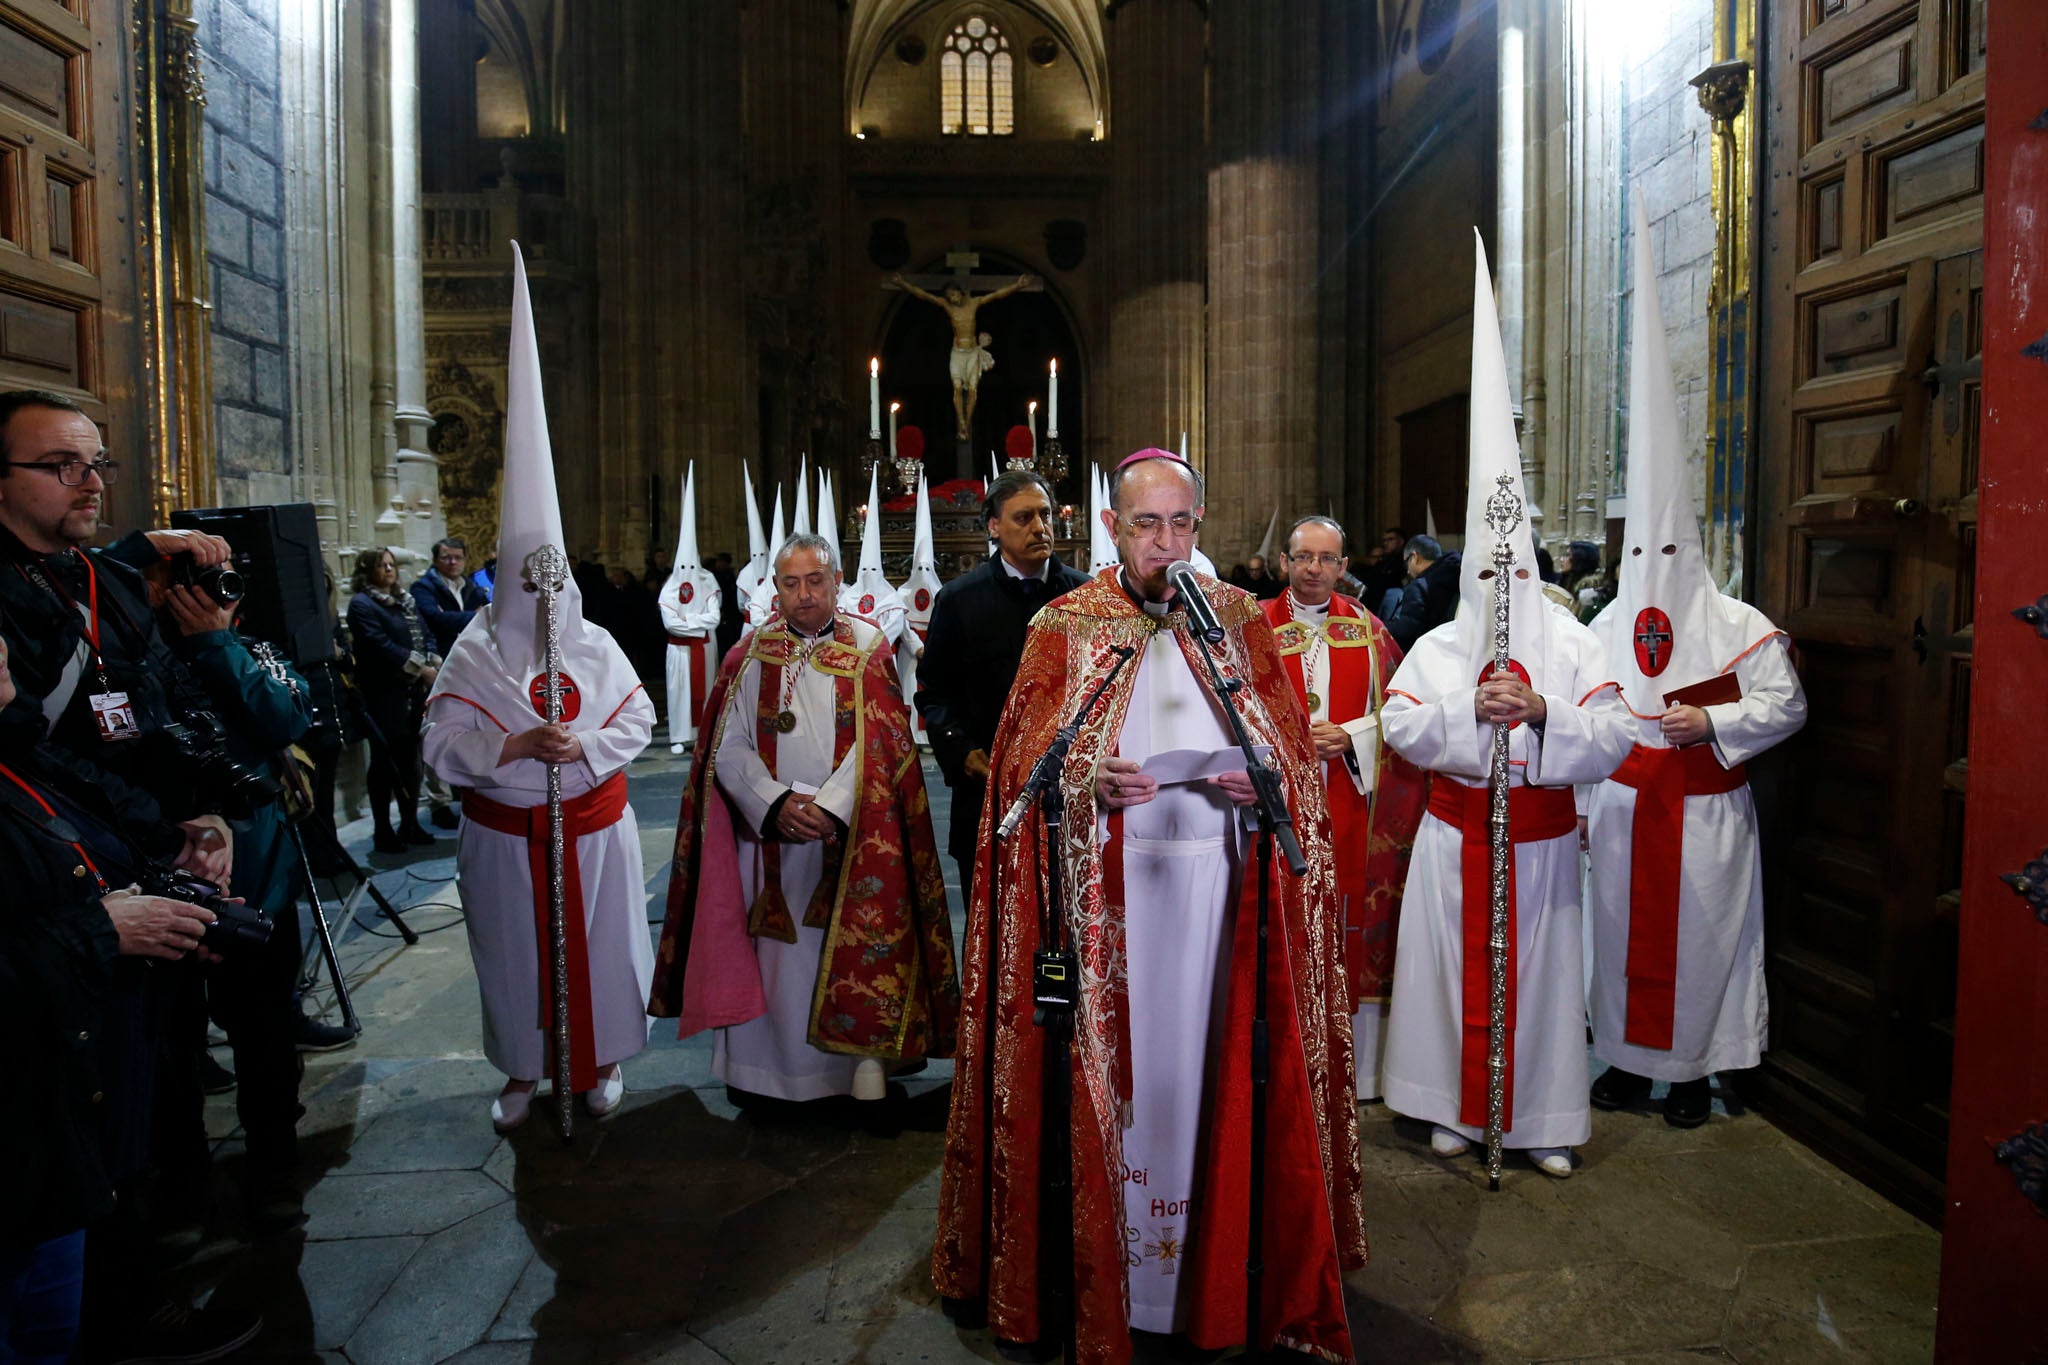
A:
[245, 248]
[1667, 156]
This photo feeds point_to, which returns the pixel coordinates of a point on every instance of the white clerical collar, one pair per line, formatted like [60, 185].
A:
[1149, 607]
[818, 634]
[1044, 570]
[1301, 608]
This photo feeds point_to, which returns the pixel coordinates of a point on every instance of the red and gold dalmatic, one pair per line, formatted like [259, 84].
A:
[1315, 1223]
[887, 984]
[1375, 833]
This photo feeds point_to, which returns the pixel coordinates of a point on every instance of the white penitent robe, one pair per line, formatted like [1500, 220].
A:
[1369, 1024]
[1429, 720]
[462, 743]
[771, 1054]
[692, 628]
[1181, 862]
[1720, 1021]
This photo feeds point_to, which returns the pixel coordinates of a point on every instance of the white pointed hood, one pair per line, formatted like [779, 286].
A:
[500, 655]
[1266, 544]
[1429, 520]
[1101, 545]
[756, 568]
[1667, 627]
[1495, 455]
[691, 587]
[870, 594]
[800, 522]
[828, 513]
[921, 589]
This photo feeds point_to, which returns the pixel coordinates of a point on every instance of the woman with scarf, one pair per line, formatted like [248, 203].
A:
[395, 664]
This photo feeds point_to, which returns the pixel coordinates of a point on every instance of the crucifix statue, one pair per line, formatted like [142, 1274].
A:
[970, 355]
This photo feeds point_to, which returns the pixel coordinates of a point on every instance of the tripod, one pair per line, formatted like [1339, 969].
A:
[323, 936]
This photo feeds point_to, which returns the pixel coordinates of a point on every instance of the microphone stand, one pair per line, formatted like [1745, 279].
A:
[1055, 991]
[1275, 823]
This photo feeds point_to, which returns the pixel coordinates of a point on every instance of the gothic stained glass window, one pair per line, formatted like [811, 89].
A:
[977, 93]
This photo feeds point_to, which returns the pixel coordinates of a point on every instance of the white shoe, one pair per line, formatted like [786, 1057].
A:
[511, 1108]
[604, 1097]
[870, 1080]
[1555, 1162]
[675, 748]
[1444, 1142]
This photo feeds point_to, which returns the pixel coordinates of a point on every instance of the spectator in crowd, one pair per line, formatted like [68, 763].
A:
[1386, 576]
[445, 596]
[395, 664]
[1431, 597]
[729, 619]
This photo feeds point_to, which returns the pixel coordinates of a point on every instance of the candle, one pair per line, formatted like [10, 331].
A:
[875, 398]
[863, 518]
[1052, 401]
[1031, 421]
[893, 408]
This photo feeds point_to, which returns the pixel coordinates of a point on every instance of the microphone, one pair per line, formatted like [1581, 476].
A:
[1181, 575]
[1047, 770]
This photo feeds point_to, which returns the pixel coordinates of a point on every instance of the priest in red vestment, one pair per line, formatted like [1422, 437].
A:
[1339, 656]
[806, 911]
[1161, 880]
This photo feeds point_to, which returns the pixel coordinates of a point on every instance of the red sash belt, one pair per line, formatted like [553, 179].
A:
[1534, 814]
[599, 808]
[1663, 778]
[695, 644]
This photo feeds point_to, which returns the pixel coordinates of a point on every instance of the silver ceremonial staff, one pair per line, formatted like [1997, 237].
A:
[1503, 515]
[548, 569]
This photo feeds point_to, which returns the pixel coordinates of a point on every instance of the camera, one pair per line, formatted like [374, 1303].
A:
[234, 922]
[200, 741]
[217, 581]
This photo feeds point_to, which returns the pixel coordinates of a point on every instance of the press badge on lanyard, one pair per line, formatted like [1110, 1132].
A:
[112, 712]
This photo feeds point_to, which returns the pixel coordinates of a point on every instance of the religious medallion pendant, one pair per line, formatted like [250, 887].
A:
[1315, 703]
[785, 721]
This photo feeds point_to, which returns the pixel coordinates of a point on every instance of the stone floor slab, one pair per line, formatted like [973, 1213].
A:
[1577, 1310]
[419, 1203]
[1769, 1195]
[448, 1295]
[1867, 1283]
[344, 1281]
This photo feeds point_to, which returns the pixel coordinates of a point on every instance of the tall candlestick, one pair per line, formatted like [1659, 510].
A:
[1031, 421]
[893, 409]
[875, 398]
[1052, 400]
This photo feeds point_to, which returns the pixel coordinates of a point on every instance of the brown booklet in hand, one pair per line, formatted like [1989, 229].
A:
[1713, 692]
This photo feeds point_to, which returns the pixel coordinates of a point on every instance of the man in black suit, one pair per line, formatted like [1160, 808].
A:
[1431, 597]
[445, 595]
[975, 640]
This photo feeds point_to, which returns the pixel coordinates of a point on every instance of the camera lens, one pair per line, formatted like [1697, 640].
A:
[224, 585]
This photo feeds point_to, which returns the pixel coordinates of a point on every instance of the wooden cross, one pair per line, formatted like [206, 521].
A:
[961, 264]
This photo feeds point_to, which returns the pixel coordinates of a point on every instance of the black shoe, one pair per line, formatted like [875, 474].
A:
[385, 841]
[444, 817]
[214, 1078]
[1689, 1103]
[177, 1335]
[314, 1035]
[1618, 1089]
[413, 834]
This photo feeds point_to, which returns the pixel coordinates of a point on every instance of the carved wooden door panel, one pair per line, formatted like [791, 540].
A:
[66, 291]
[1872, 284]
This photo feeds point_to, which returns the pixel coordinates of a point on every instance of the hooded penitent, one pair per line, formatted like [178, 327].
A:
[756, 568]
[497, 662]
[828, 513]
[690, 584]
[1667, 627]
[921, 589]
[870, 595]
[800, 522]
[1101, 544]
[761, 604]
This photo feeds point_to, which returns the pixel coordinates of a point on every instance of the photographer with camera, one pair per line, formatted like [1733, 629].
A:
[78, 946]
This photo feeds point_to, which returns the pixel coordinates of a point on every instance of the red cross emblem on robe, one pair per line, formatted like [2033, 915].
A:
[1653, 641]
[686, 593]
[1514, 667]
[572, 697]
[923, 599]
[867, 604]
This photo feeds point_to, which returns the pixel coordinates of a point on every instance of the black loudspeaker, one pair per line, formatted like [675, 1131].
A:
[284, 579]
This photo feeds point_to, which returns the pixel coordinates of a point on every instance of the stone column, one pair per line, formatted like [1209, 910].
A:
[1158, 247]
[1262, 258]
[653, 169]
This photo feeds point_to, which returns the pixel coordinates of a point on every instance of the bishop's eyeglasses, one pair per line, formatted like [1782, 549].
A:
[71, 473]
[1151, 524]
